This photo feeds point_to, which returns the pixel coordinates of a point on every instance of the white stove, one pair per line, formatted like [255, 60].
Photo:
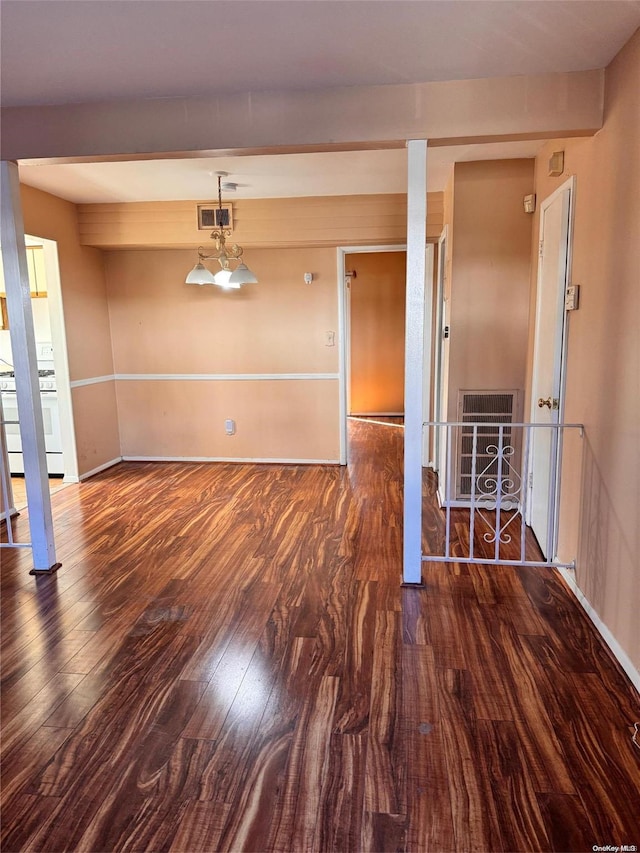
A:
[50, 417]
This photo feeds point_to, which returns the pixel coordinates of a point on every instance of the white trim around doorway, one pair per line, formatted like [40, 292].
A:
[60, 358]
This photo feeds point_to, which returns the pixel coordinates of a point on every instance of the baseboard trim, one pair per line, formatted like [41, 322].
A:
[100, 468]
[241, 459]
[618, 652]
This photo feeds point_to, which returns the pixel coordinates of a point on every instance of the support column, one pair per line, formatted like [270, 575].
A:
[414, 349]
[23, 346]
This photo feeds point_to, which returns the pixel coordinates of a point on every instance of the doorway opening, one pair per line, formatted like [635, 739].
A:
[54, 380]
[385, 296]
[376, 283]
[379, 387]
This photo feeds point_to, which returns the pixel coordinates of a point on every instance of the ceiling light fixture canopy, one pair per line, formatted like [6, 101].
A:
[225, 255]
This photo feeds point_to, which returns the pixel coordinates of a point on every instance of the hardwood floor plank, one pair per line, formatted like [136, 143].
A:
[280, 661]
[429, 819]
[45, 640]
[100, 648]
[486, 659]
[27, 814]
[22, 726]
[519, 819]
[130, 705]
[415, 624]
[259, 801]
[307, 774]
[18, 769]
[354, 700]
[447, 637]
[199, 827]
[385, 776]
[22, 691]
[566, 823]
[597, 762]
[474, 812]
[221, 691]
[576, 646]
[384, 833]
[250, 823]
[74, 707]
[340, 819]
[545, 755]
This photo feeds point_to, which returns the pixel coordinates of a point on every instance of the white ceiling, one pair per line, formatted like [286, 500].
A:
[65, 51]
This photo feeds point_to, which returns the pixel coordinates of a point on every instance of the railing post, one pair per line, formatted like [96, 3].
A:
[414, 352]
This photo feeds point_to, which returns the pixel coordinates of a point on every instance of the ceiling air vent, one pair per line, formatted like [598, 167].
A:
[211, 216]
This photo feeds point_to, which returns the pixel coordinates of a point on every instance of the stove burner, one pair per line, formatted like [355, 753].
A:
[10, 374]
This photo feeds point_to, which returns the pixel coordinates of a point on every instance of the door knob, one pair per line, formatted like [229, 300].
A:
[550, 403]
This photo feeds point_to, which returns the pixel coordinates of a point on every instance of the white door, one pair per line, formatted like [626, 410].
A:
[547, 385]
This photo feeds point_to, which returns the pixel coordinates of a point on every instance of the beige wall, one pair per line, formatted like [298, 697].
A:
[275, 419]
[160, 325]
[150, 322]
[86, 317]
[490, 270]
[601, 520]
[95, 416]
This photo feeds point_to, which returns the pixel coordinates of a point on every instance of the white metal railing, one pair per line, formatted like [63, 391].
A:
[485, 490]
[7, 499]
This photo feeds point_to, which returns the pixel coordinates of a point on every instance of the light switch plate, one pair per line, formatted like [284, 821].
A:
[572, 298]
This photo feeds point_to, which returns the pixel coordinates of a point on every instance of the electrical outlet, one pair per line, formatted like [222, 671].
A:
[230, 426]
[329, 339]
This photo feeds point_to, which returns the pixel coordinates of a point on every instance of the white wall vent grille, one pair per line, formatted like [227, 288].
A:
[488, 407]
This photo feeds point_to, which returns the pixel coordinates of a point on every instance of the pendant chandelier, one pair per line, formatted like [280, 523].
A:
[225, 277]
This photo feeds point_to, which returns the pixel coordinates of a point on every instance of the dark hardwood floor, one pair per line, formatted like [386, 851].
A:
[20, 492]
[226, 661]
[392, 420]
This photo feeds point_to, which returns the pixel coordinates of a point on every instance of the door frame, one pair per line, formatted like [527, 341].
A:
[560, 367]
[438, 349]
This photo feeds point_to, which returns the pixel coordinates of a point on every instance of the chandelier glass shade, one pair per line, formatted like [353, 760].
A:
[226, 277]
